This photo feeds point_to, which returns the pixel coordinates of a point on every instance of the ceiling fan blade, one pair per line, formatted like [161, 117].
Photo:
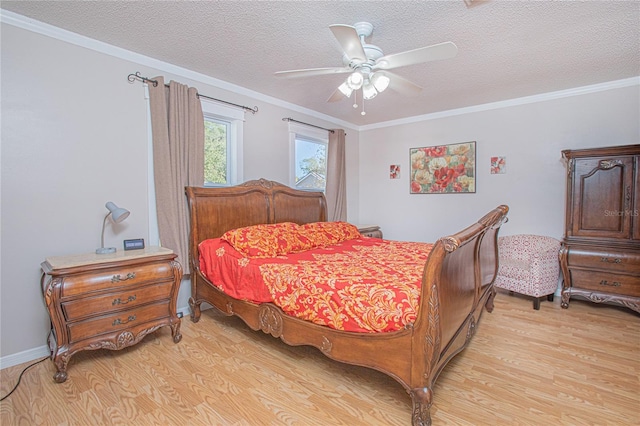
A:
[348, 38]
[311, 72]
[336, 96]
[435, 52]
[402, 85]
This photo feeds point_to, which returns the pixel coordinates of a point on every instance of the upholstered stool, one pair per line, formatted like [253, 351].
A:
[529, 265]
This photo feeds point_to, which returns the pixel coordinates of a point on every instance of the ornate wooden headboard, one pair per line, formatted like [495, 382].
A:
[251, 203]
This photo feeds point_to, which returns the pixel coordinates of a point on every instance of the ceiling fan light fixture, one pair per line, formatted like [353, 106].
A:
[380, 82]
[368, 91]
[355, 80]
[345, 89]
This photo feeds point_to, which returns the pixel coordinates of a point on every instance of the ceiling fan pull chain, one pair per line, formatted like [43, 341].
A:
[355, 99]
[363, 113]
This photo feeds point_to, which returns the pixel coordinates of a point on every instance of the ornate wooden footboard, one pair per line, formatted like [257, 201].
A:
[457, 283]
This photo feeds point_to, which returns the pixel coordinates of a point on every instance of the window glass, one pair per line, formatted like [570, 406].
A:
[308, 157]
[223, 130]
[310, 164]
[216, 149]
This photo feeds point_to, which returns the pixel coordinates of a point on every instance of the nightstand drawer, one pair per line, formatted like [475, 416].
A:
[115, 322]
[610, 260]
[113, 278]
[606, 282]
[131, 298]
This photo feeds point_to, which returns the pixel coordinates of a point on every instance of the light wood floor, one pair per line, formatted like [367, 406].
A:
[579, 366]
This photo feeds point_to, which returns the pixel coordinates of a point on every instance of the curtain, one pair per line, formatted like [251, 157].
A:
[336, 191]
[177, 126]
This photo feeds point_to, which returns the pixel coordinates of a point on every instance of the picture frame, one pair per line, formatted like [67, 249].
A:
[443, 169]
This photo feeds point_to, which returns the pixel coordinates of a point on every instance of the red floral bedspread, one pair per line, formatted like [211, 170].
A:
[360, 285]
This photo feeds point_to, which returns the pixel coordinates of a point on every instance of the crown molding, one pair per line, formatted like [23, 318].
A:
[23, 22]
[617, 84]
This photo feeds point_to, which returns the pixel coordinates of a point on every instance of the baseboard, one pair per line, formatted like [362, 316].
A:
[42, 351]
[24, 356]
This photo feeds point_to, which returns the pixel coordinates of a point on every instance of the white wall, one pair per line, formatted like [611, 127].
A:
[531, 136]
[74, 136]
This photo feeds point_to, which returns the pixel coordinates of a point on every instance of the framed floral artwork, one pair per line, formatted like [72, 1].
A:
[444, 169]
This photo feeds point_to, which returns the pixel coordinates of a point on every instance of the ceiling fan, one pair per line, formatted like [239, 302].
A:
[367, 65]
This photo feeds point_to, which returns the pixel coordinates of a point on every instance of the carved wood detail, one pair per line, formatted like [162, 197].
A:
[270, 320]
[326, 345]
[421, 399]
[432, 338]
[450, 244]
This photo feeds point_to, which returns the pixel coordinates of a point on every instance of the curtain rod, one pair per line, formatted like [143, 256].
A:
[137, 76]
[307, 124]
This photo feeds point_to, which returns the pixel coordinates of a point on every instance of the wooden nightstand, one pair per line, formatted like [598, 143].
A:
[109, 300]
[370, 231]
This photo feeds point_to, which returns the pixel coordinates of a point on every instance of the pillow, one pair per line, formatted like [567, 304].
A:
[323, 234]
[268, 240]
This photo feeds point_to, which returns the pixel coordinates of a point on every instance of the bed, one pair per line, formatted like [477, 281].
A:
[455, 285]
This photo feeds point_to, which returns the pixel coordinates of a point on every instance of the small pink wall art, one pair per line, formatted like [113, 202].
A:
[498, 165]
[394, 171]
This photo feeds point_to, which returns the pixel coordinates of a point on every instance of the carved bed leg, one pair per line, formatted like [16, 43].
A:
[564, 302]
[489, 303]
[422, 399]
[195, 309]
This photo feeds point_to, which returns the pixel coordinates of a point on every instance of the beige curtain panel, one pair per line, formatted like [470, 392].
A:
[177, 125]
[336, 191]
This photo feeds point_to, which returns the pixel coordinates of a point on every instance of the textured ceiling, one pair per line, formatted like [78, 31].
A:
[506, 49]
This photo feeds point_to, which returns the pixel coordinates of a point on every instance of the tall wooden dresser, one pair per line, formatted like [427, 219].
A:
[600, 253]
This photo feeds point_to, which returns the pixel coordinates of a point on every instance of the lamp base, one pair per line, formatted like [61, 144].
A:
[105, 250]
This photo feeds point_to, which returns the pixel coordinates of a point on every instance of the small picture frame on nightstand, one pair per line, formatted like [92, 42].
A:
[137, 244]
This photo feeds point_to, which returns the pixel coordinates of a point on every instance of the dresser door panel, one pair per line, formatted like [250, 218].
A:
[601, 188]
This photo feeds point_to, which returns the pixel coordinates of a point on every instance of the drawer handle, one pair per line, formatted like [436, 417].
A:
[606, 259]
[118, 278]
[613, 284]
[119, 321]
[119, 301]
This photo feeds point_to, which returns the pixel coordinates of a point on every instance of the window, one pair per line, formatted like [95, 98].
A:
[309, 158]
[222, 144]
[216, 158]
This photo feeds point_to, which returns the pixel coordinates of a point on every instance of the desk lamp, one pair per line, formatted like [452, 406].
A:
[117, 215]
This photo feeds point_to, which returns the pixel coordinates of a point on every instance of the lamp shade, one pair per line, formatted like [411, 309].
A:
[368, 91]
[118, 215]
[355, 80]
[345, 89]
[380, 81]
